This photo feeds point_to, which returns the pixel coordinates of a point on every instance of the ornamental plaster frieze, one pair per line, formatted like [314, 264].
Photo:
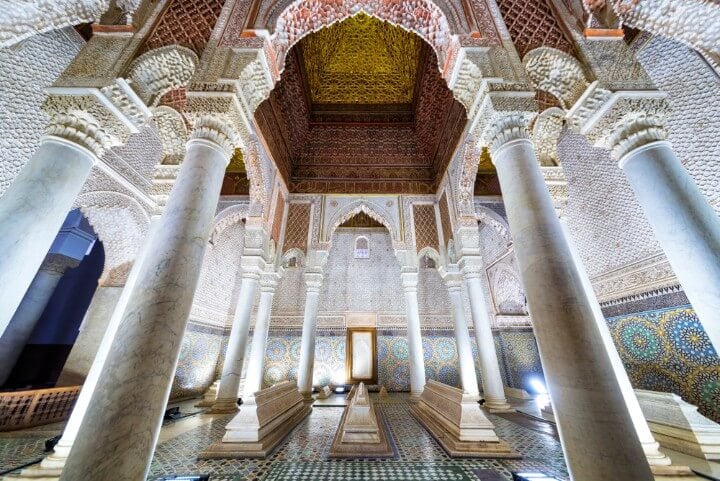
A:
[163, 181]
[227, 216]
[557, 185]
[95, 118]
[384, 209]
[646, 275]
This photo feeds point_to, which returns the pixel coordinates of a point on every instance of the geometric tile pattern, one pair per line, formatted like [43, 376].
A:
[519, 358]
[445, 218]
[668, 350]
[186, 22]
[196, 366]
[304, 453]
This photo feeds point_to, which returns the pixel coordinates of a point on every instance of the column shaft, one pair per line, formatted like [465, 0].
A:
[26, 316]
[462, 340]
[228, 392]
[685, 225]
[121, 426]
[256, 362]
[307, 343]
[649, 445]
[32, 210]
[493, 387]
[596, 430]
[415, 348]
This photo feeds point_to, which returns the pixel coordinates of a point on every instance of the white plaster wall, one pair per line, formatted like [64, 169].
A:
[25, 70]
[361, 285]
[215, 296]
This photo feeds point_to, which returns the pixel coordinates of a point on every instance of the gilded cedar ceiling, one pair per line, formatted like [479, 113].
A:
[361, 108]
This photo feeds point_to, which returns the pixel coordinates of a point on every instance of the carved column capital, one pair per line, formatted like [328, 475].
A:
[269, 281]
[507, 129]
[472, 267]
[58, 263]
[79, 129]
[313, 279]
[409, 278]
[635, 132]
[218, 132]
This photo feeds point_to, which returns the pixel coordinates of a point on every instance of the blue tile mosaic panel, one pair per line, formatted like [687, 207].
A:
[668, 350]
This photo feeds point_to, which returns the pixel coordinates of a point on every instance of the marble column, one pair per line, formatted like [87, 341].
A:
[51, 466]
[417, 360]
[256, 361]
[596, 430]
[33, 209]
[119, 431]
[493, 387]
[30, 309]
[313, 283]
[462, 337]
[685, 225]
[228, 392]
[651, 447]
[90, 336]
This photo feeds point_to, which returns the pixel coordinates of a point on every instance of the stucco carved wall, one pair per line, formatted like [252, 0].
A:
[25, 70]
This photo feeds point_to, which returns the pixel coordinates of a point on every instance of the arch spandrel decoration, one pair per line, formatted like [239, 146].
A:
[121, 224]
[494, 220]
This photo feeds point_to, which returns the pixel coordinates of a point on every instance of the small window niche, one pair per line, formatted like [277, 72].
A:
[362, 248]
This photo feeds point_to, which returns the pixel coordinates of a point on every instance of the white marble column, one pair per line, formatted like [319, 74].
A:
[417, 360]
[462, 337]
[51, 467]
[33, 209]
[596, 430]
[256, 361]
[493, 387]
[651, 447]
[685, 225]
[228, 392]
[119, 431]
[30, 309]
[313, 283]
[92, 331]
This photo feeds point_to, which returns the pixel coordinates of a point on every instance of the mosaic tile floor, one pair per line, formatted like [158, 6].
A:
[303, 455]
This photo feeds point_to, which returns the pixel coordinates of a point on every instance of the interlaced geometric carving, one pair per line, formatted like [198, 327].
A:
[277, 219]
[532, 24]
[361, 60]
[188, 23]
[445, 218]
[296, 229]
[426, 234]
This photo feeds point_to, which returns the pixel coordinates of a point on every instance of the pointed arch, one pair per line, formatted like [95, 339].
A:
[227, 217]
[371, 209]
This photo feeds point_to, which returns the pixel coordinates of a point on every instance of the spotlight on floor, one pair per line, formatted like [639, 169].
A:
[532, 476]
[538, 385]
[340, 389]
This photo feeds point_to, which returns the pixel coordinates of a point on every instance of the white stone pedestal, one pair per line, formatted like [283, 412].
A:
[261, 423]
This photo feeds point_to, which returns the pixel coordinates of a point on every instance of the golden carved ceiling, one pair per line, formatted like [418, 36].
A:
[361, 60]
[361, 107]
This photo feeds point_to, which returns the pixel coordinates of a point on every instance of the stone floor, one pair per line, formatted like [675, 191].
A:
[303, 455]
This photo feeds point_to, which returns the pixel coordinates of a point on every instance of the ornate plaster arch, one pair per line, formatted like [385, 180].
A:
[507, 288]
[557, 72]
[371, 209]
[157, 72]
[494, 220]
[431, 253]
[296, 253]
[227, 217]
[423, 17]
[172, 133]
[121, 223]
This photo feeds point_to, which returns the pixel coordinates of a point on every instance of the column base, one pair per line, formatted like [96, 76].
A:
[49, 468]
[307, 397]
[224, 406]
[415, 396]
[498, 406]
[672, 472]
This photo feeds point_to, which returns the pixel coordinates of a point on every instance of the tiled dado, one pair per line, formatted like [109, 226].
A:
[304, 454]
